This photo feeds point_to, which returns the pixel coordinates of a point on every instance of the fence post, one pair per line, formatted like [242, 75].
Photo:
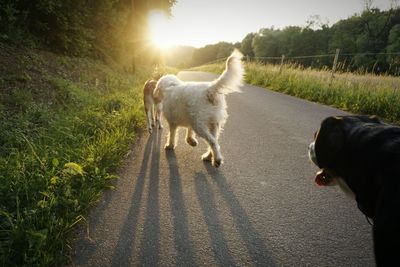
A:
[335, 60]
[282, 59]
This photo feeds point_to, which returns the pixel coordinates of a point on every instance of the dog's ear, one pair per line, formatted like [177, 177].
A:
[329, 141]
[334, 128]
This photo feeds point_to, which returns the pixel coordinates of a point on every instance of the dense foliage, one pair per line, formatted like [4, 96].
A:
[66, 122]
[108, 29]
[368, 42]
[212, 52]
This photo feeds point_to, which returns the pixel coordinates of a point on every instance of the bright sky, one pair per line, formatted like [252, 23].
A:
[201, 22]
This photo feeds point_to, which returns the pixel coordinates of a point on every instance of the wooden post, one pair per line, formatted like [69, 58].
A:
[282, 59]
[335, 60]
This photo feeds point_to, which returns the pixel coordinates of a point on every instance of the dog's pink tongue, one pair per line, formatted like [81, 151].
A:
[320, 178]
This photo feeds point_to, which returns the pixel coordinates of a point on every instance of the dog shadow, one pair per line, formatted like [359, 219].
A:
[122, 255]
[182, 239]
[255, 244]
[149, 196]
[208, 206]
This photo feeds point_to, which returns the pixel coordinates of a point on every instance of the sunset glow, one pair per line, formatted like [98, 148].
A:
[159, 27]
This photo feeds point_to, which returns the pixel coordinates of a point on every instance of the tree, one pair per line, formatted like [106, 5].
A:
[136, 30]
[368, 4]
[210, 53]
[393, 48]
[98, 28]
[246, 46]
[267, 43]
[343, 34]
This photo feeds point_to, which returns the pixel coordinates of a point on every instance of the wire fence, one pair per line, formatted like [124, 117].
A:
[349, 62]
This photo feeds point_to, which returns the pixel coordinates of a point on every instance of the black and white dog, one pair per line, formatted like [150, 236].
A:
[361, 154]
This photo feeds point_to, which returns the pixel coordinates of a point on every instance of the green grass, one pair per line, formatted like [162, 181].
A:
[357, 93]
[66, 125]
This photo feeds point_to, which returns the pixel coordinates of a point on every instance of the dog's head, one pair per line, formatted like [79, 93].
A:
[328, 142]
[164, 84]
[157, 76]
[348, 151]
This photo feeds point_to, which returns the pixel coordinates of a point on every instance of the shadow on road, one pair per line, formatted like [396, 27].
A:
[208, 205]
[150, 243]
[255, 244]
[183, 243]
[123, 251]
[148, 252]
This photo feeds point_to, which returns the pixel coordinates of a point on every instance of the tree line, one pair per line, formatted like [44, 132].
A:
[116, 30]
[113, 30]
[368, 42]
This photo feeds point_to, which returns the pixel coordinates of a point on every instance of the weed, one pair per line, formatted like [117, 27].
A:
[59, 148]
[358, 93]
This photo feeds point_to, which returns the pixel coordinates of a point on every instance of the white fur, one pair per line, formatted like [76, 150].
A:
[200, 106]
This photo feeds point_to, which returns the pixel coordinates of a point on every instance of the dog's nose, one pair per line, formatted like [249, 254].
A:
[311, 153]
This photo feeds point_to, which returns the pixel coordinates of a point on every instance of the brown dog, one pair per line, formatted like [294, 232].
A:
[152, 105]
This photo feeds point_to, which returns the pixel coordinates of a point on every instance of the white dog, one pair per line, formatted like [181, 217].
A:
[200, 106]
[152, 105]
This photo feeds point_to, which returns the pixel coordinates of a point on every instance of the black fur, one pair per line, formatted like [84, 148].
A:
[365, 153]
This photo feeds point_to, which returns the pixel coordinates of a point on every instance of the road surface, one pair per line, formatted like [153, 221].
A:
[261, 208]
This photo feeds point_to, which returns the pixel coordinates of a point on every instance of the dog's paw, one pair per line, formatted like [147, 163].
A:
[169, 147]
[160, 126]
[216, 163]
[207, 156]
[150, 130]
[192, 141]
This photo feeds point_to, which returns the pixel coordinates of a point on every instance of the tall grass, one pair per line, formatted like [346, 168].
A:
[63, 133]
[357, 93]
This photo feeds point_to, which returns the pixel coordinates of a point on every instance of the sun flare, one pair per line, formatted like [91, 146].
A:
[159, 29]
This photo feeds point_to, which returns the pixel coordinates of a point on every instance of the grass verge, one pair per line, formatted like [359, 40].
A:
[361, 94]
[66, 125]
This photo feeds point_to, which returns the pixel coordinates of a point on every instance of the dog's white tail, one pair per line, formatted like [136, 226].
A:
[232, 77]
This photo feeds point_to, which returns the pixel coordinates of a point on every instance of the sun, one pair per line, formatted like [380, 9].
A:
[159, 29]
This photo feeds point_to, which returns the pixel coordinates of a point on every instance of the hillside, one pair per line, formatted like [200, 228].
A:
[66, 125]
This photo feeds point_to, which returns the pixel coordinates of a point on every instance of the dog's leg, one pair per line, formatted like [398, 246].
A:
[208, 155]
[214, 146]
[153, 114]
[158, 115]
[191, 137]
[215, 129]
[149, 120]
[170, 145]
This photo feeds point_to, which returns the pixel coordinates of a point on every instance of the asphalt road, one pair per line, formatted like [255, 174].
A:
[261, 208]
